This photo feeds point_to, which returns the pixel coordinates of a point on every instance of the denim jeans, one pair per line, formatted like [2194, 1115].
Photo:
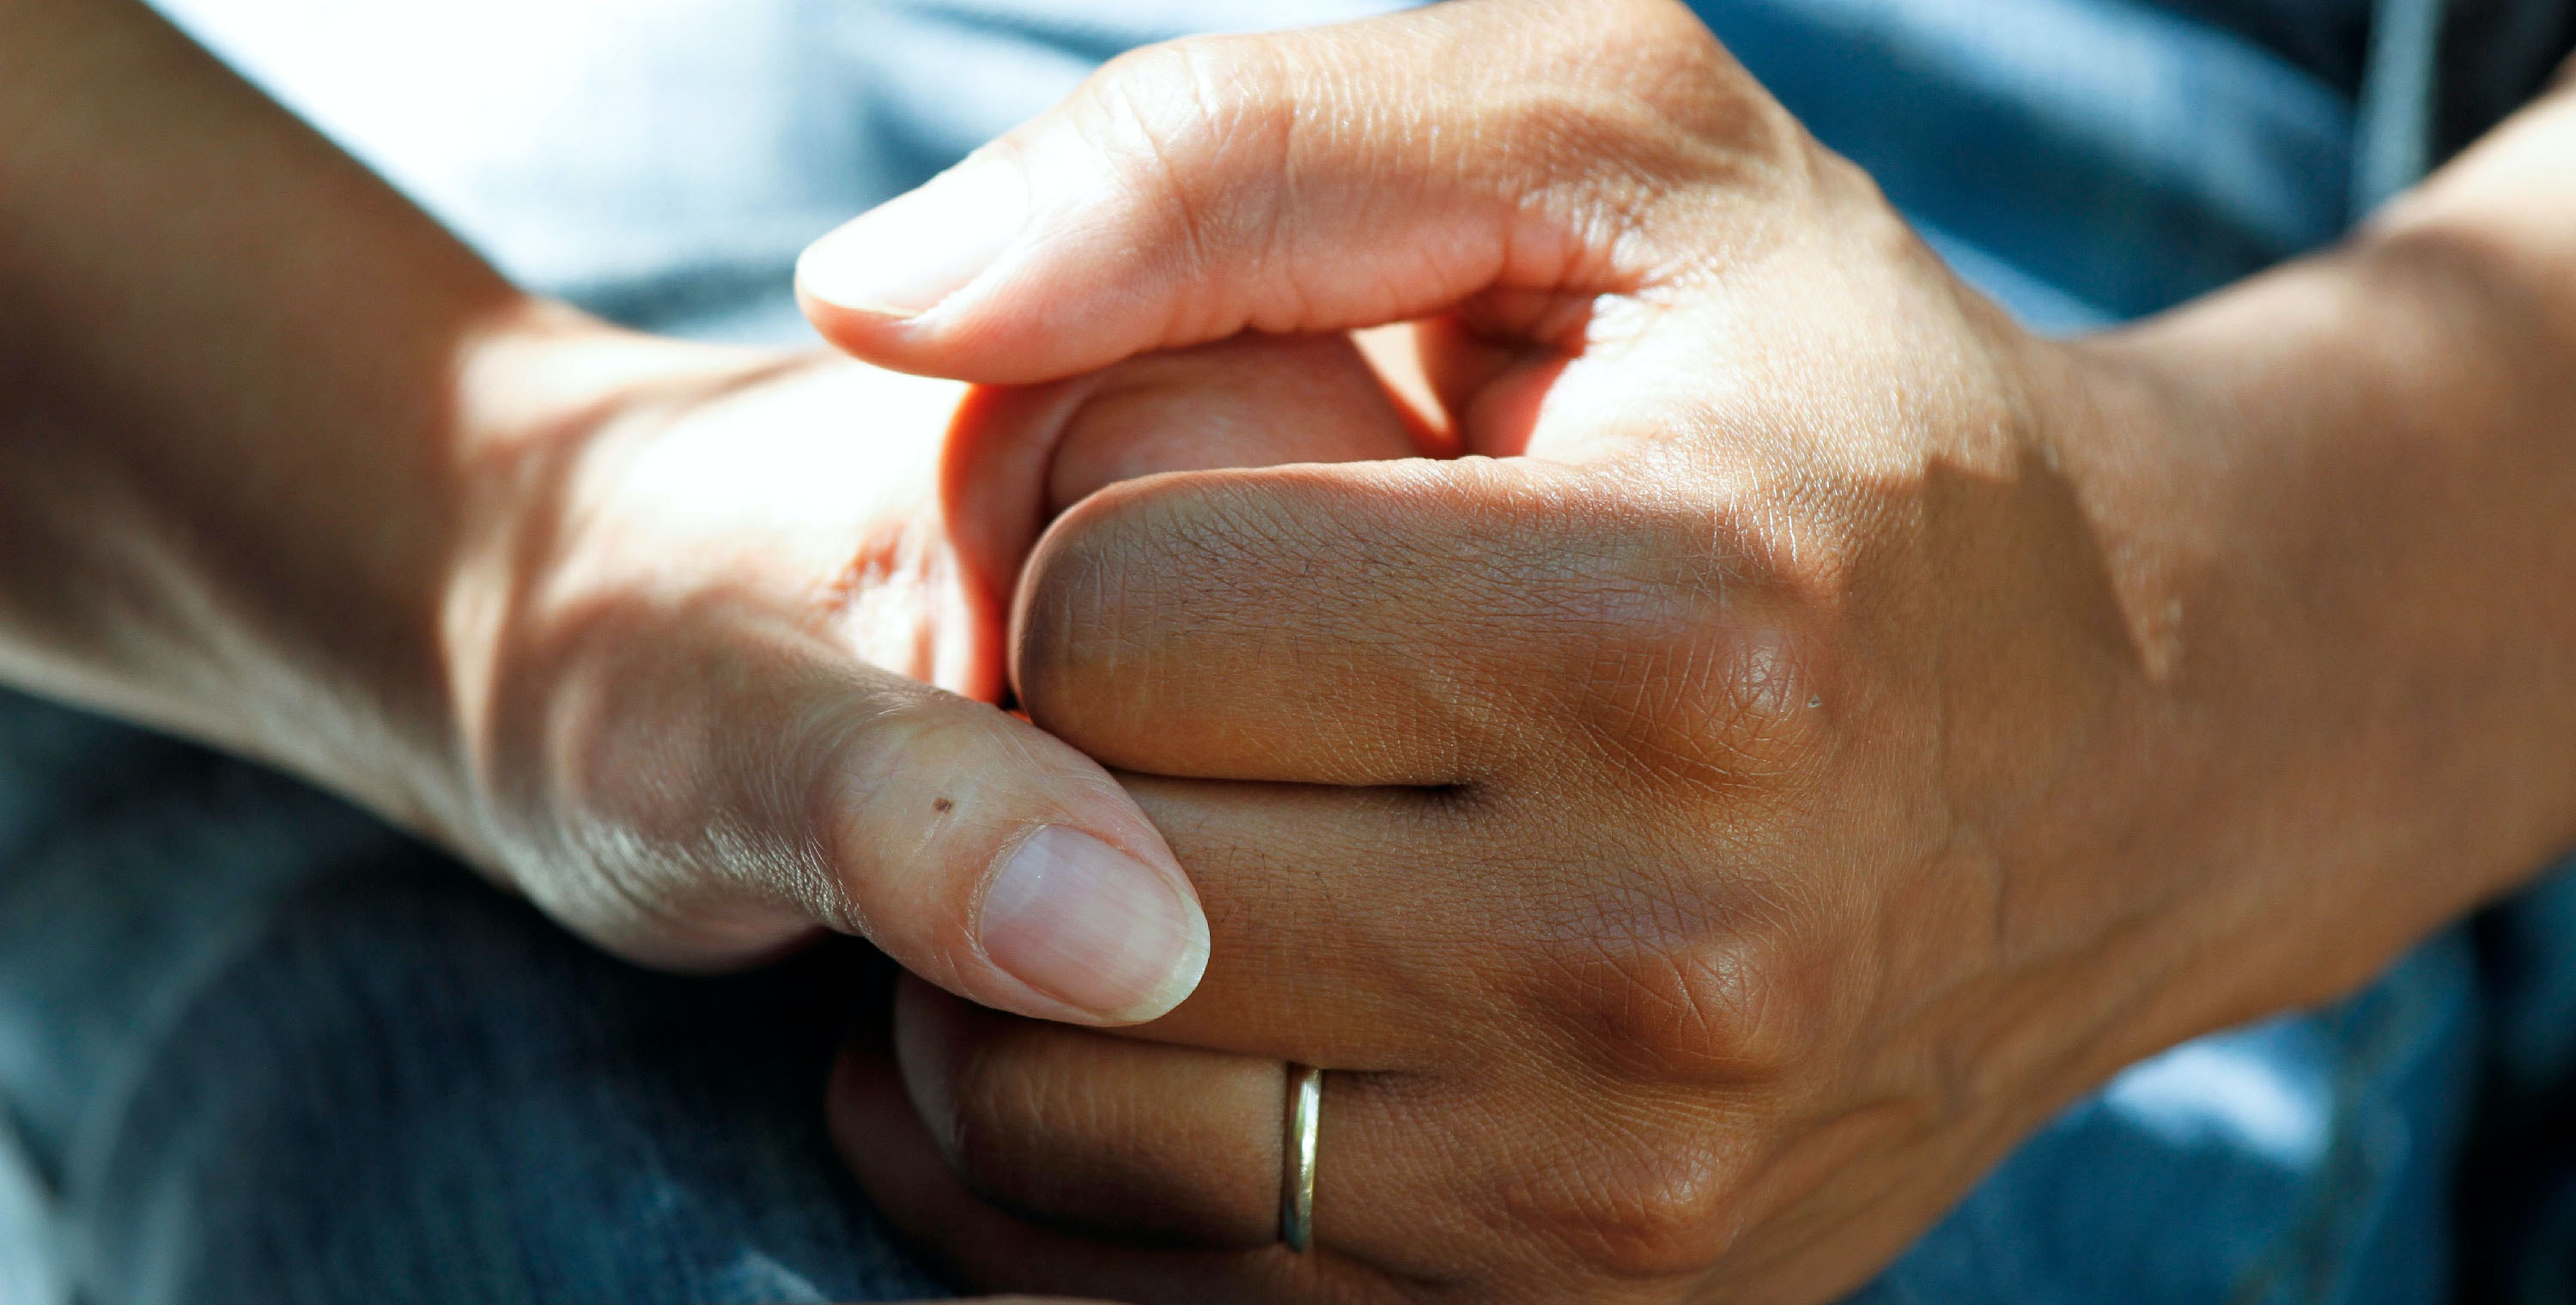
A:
[256, 1047]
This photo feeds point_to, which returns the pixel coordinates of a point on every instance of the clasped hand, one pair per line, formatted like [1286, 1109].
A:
[1704, 729]
[1702, 826]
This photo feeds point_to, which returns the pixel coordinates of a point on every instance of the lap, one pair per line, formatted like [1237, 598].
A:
[259, 1048]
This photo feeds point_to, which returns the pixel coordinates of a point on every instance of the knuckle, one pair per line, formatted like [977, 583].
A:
[1702, 659]
[1097, 1136]
[852, 755]
[1184, 123]
[1739, 1006]
[1641, 97]
[1170, 594]
[997, 1105]
[1655, 1201]
[677, 835]
[1113, 582]
[895, 800]
[1195, 84]
[1728, 702]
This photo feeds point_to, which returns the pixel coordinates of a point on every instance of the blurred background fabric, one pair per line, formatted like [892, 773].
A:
[256, 1047]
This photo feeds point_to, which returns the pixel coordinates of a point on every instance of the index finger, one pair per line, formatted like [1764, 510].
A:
[1371, 624]
[1284, 182]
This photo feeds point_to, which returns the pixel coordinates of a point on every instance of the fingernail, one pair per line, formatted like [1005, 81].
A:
[1089, 925]
[904, 256]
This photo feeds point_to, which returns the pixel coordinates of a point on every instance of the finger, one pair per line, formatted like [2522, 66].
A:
[1154, 1144]
[1372, 623]
[1286, 183]
[1348, 926]
[736, 781]
[1019, 455]
[877, 1132]
[1253, 401]
[1177, 1145]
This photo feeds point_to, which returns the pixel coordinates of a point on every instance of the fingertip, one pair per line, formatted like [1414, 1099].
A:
[904, 257]
[984, 337]
[1119, 937]
[852, 330]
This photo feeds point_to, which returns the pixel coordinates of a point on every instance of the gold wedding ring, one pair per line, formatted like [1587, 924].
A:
[1297, 1172]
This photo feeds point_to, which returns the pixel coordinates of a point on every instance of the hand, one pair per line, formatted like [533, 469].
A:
[1825, 730]
[699, 641]
[648, 630]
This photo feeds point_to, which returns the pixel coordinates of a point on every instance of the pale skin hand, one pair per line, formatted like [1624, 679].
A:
[648, 630]
[1830, 731]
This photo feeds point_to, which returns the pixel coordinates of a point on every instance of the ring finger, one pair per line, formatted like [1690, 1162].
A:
[1152, 1144]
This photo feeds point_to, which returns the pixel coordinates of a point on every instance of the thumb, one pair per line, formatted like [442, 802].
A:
[712, 789]
[992, 858]
[1517, 151]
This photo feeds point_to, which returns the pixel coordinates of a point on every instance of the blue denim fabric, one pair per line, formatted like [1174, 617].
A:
[256, 1047]
[2085, 160]
[259, 1048]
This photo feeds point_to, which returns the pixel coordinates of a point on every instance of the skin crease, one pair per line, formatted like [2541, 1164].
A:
[1823, 731]
[692, 645]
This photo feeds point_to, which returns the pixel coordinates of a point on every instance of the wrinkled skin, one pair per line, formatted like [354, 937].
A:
[763, 558]
[1819, 730]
